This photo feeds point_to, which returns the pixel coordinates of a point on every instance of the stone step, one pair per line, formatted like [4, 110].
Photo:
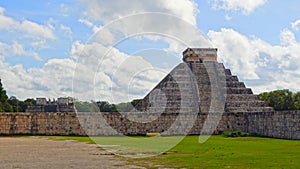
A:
[228, 84]
[204, 72]
[239, 91]
[250, 103]
[248, 109]
[232, 78]
[254, 103]
[235, 84]
[241, 97]
[215, 66]
[228, 72]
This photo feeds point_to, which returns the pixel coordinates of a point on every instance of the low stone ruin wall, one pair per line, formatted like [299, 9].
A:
[281, 124]
[40, 124]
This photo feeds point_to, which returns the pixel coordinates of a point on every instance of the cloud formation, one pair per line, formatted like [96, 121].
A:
[296, 24]
[28, 28]
[107, 74]
[17, 49]
[23, 36]
[107, 12]
[160, 17]
[262, 66]
[245, 6]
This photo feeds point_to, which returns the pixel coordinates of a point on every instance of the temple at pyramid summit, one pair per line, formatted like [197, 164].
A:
[200, 76]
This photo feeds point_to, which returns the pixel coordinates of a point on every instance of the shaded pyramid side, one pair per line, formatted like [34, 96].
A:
[177, 92]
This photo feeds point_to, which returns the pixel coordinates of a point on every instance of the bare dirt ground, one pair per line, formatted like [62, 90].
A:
[38, 153]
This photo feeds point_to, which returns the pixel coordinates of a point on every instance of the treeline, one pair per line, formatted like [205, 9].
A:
[12, 104]
[105, 106]
[279, 99]
[282, 99]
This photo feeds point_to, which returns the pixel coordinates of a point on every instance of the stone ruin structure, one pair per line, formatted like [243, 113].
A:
[199, 96]
[62, 104]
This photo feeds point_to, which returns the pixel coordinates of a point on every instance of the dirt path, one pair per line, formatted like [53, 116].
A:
[37, 153]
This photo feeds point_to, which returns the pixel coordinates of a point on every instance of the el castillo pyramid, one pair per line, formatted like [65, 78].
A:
[201, 80]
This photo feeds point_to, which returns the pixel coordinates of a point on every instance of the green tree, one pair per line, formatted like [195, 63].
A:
[26, 103]
[30, 102]
[3, 96]
[297, 100]
[279, 99]
[4, 105]
[135, 102]
[104, 106]
[265, 96]
[124, 107]
[15, 103]
[86, 106]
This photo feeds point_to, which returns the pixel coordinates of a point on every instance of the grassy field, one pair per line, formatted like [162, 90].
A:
[217, 152]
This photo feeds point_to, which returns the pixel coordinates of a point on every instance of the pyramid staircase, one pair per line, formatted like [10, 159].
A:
[191, 84]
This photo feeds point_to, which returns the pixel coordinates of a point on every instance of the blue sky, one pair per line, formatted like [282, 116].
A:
[41, 43]
[266, 22]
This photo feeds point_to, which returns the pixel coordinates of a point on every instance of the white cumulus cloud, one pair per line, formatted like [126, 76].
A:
[6, 22]
[35, 30]
[237, 51]
[261, 65]
[106, 73]
[28, 28]
[245, 6]
[67, 31]
[295, 25]
[108, 11]
[156, 16]
[17, 49]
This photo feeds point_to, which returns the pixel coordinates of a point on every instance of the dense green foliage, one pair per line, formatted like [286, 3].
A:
[12, 104]
[216, 152]
[105, 106]
[4, 105]
[20, 106]
[282, 99]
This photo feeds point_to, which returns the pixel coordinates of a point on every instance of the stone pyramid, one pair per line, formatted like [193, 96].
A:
[201, 84]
